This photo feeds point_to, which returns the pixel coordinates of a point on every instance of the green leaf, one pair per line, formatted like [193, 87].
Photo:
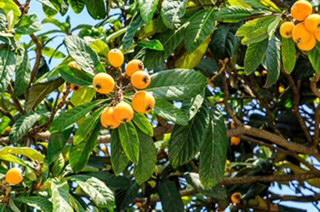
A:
[23, 73]
[147, 9]
[49, 7]
[254, 56]
[57, 142]
[288, 54]
[7, 67]
[152, 44]
[170, 196]
[143, 123]
[130, 141]
[10, 5]
[83, 96]
[272, 61]
[25, 151]
[177, 84]
[80, 153]
[98, 192]
[235, 14]
[185, 140]
[53, 53]
[97, 9]
[314, 58]
[23, 125]
[39, 91]
[28, 24]
[133, 28]
[60, 197]
[172, 11]
[119, 159]
[147, 161]
[69, 117]
[273, 26]
[64, 26]
[77, 5]
[202, 25]
[37, 202]
[213, 152]
[100, 47]
[75, 76]
[82, 53]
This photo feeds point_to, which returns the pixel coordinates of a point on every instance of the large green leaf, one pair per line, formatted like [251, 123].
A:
[143, 123]
[177, 84]
[80, 153]
[119, 159]
[202, 25]
[147, 9]
[152, 44]
[185, 140]
[25, 151]
[147, 161]
[74, 76]
[98, 9]
[28, 24]
[98, 192]
[254, 56]
[130, 141]
[23, 73]
[60, 197]
[7, 67]
[235, 14]
[83, 96]
[69, 117]
[170, 196]
[172, 11]
[82, 53]
[288, 54]
[77, 5]
[37, 202]
[133, 28]
[213, 152]
[10, 5]
[273, 61]
[314, 58]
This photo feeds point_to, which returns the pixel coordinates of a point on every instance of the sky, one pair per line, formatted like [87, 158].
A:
[84, 18]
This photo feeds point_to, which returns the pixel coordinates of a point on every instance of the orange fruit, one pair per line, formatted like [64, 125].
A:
[312, 22]
[74, 87]
[143, 102]
[236, 198]
[103, 83]
[235, 141]
[286, 29]
[14, 176]
[107, 120]
[140, 80]
[300, 33]
[115, 57]
[308, 45]
[133, 66]
[74, 65]
[123, 112]
[301, 9]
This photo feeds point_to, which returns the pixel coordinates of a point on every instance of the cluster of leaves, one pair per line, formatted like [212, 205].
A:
[181, 149]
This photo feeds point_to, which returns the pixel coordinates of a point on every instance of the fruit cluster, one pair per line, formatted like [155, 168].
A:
[121, 111]
[305, 28]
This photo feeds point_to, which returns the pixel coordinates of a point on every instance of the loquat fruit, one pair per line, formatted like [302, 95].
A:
[312, 22]
[235, 141]
[74, 65]
[143, 102]
[281, 89]
[317, 34]
[115, 57]
[140, 80]
[103, 83]
[123, 112]
[14, 176]
[300, 33]
[301, 9]
[133, 66]
[236, 198]
[286, 29]
[74, 87]
[107, 120]
[308, 45]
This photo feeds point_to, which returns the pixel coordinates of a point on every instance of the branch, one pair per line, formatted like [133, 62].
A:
[316, 127]
[313, 85]
[37, 63]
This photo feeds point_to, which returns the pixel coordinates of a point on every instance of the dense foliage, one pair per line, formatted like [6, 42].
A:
[237, 108]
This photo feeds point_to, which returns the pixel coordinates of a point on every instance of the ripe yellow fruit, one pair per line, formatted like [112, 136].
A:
[74, 65]
[301, 10]
[235, 141]
[133, 66]
[308, 45]
[123, 112]
[286, 29]
[300, 34]
[107, 120]
[317, 34]
[103, 83]
[140, 80]
[14, 176]
[236, 198]
[312, 22]
[281, 89]
[74, 87]
[143, 102]
[115, 57]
